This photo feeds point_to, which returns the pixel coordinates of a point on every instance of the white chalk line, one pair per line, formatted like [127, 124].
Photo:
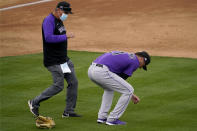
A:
[22, 5]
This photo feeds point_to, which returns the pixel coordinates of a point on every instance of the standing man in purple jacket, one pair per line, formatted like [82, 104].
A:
[56, 61]
[110, 71]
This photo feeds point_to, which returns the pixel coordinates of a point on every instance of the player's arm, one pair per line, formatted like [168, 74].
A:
[48, 28]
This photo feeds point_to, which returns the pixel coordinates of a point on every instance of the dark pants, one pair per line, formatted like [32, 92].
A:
[58, 86]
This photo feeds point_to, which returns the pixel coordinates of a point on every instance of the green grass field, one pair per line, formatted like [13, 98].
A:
[168, 92]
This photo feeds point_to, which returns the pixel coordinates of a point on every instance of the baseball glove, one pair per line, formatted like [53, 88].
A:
[44, 122]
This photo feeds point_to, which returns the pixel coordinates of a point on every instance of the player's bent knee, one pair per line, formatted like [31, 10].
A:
[131, 90]
[59, 85]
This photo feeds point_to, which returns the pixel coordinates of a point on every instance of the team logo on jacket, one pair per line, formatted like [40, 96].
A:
[61, 29]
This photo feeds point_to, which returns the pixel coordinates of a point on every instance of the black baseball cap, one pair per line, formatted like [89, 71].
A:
[65, 6]
[146, 56]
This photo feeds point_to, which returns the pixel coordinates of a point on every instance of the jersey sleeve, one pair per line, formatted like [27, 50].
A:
[48, 28]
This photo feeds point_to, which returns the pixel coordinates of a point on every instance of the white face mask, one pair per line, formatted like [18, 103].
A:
[63, 17]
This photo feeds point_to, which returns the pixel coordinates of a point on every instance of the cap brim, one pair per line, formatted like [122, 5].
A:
[68, 12]
[145, 68]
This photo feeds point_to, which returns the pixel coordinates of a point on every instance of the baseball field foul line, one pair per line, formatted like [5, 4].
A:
[22, 5]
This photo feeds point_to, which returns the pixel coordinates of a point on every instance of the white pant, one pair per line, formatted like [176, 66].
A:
[111, 82]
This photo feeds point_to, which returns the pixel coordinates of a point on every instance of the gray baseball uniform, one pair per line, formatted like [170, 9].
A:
[55, 54]
[105, 71]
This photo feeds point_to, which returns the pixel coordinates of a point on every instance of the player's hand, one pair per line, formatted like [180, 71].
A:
[135, 99]
[70, 35]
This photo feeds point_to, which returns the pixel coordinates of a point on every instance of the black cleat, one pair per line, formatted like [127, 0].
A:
[70, 115]
[33, 109]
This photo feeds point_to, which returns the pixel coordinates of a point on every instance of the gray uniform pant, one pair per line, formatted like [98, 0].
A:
[58, 86]
[110, 82]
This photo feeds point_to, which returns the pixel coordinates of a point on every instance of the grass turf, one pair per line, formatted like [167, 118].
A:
[168, 92]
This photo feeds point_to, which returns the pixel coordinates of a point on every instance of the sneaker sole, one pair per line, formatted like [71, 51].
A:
[100, 121]
[110, 124]
[64, 116]
[107, 123]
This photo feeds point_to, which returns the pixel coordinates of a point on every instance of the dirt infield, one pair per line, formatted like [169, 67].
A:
[161, 27]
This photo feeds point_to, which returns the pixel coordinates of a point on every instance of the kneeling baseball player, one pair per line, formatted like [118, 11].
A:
[110, 71]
